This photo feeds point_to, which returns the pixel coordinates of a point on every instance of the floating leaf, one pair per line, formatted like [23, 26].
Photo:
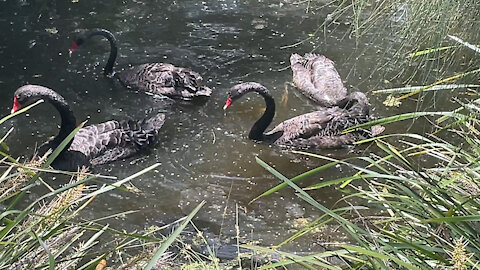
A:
[392, 101]
[52, 30]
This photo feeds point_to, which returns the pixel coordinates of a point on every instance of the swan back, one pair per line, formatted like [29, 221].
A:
[319, 129]
[165, 79]
[316, 77]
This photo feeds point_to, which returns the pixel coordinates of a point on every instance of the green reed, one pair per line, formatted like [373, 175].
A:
[402, 29]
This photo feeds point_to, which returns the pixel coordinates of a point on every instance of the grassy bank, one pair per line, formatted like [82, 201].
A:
[48, 232]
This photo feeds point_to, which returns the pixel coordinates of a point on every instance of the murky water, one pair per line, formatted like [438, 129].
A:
[204, 153]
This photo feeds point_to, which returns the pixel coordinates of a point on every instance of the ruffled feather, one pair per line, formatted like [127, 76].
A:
[166, 80]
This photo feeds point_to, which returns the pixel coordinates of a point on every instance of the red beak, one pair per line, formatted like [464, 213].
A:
[73, 48]
[228, 103]
[16, 105]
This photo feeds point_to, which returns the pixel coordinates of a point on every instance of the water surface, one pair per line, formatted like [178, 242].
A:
[204, 152]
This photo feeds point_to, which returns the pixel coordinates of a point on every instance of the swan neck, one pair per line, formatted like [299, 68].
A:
[68, 121]
[108, 69]
[258, 129]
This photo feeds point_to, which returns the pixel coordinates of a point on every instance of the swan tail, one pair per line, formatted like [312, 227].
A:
[203, 91]
[144, 132]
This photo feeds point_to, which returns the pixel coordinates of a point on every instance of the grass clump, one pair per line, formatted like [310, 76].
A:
[414, 204]
[410, 208]
[49, 232]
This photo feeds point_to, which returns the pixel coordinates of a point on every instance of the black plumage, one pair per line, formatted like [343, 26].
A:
[164, 79]
[317, 78]
[94, 144]
[155, 78]
[320, 129]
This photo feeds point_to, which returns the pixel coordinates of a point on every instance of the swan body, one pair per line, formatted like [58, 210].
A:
[164, 79]
[319, 129]
[154, 78]
[316, 77]
[94, 144]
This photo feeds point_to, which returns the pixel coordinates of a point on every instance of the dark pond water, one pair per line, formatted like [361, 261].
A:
[204, 153]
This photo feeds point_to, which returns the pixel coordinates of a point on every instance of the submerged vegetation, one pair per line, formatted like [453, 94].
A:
[419, 30]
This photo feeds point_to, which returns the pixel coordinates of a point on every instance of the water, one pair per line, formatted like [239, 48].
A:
[204, 152]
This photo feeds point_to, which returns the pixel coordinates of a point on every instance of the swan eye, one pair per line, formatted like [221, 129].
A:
[18, 99]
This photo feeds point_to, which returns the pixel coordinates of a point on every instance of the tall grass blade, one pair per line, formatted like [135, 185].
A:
[302, 194]
[429, 51]
[379, 256]
[404, 90]
[295, 179]
[400, 117]
[51, 259]
[466, 44]
[172, 237]
[5, 118]
[119, 183]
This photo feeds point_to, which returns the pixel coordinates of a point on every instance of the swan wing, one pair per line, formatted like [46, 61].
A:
[302, 126]
[320, 129]
[95, 139]
[114, 140]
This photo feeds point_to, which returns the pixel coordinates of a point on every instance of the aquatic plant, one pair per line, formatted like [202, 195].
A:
[409, 36]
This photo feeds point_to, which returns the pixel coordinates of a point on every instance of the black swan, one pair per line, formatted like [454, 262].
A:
[319, 129]
[94, 144]
[316, 77]
[154, 78]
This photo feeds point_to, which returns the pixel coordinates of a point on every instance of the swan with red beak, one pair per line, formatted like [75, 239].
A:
[92, 145]
[16, 105]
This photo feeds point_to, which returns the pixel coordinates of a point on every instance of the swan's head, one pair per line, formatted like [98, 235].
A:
[360, 97]
[241, 89]
[228, 102]
[16, 105]
[84, 36]
[24, 96]
[29, 94]
[79, 40]
[356, 101]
